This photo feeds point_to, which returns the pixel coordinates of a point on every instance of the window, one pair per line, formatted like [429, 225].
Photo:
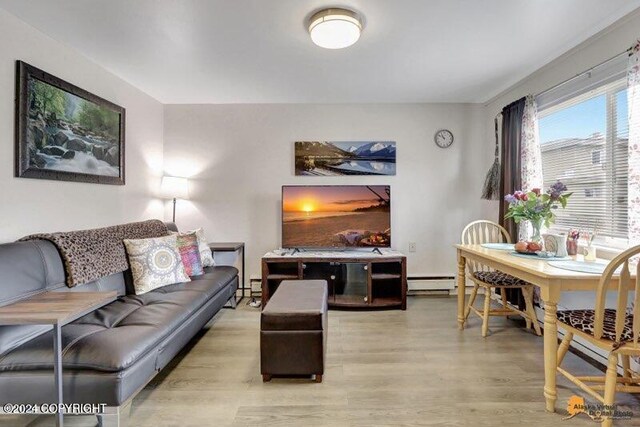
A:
[592, 192]
[584, 143]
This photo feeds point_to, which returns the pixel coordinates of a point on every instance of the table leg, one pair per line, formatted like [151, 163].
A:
[550, 352]
[462, 281]
[57, 371]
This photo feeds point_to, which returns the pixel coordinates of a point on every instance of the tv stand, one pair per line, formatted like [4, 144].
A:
[355, 279]
[296, 250]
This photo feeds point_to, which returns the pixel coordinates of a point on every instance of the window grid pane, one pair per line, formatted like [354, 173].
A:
[584, 143]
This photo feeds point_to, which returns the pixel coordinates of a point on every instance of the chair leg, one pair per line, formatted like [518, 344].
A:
[626, 366]
[528, 319]
[485, 313]
[564, 347]
[503, 297]
[472, 299]
[528, 301]
[610, 386]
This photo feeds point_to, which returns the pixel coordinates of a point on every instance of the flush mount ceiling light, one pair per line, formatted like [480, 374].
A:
[335, 28]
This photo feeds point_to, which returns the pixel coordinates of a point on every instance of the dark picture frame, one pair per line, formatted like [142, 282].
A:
[50, 147]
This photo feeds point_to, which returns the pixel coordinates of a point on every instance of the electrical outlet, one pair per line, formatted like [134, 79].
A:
[412, 246]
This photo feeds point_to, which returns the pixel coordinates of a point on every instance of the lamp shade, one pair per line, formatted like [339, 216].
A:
[174, 187]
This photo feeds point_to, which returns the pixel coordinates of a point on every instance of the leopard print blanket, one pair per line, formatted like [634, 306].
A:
[91, 254]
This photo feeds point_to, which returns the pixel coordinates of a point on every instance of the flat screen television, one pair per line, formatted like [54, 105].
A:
[336, 216]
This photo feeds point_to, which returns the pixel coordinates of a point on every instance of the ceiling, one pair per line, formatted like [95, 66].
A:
[258, 51]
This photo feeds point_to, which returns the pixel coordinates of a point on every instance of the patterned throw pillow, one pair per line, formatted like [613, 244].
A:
[188, 248]
[155, 263]
[203, 246]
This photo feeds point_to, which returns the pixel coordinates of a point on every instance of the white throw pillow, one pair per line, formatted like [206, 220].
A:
[155, 263]
[203, 246]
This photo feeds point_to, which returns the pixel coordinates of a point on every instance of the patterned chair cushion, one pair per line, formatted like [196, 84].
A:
[583, 320]
[498, 278]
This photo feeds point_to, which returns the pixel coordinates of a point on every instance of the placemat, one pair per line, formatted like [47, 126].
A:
[534, 256]
[499, 246]
[579, 266]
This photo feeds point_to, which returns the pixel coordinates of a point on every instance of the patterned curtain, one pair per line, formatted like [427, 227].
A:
[633, 101]
[531, 156]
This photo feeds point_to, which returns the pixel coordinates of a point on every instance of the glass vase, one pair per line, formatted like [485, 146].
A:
[590, 253]
[536, 226]
[572, 247]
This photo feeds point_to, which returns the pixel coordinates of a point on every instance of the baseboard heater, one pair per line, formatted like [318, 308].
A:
[418, 285]
[431, 285]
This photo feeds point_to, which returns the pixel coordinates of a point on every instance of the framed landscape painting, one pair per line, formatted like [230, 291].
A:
[66, 133]
[327, 158]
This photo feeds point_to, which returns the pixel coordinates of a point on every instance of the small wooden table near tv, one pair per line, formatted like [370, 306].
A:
[356, 279]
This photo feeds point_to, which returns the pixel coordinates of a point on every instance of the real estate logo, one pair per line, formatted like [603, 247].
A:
[598, 412]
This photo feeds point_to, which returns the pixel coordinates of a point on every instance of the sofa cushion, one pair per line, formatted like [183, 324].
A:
[220, 272]
[114, 337]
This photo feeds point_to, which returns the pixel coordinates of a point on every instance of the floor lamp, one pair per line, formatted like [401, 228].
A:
[174, 187]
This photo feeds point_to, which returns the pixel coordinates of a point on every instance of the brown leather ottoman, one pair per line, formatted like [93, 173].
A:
[293, 330]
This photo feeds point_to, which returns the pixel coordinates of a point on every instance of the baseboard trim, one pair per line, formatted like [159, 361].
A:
[430, 283]
[428, 293]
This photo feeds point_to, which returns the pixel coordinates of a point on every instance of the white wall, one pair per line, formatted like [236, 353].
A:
[239, 156]
[31, 205]
[604, 45]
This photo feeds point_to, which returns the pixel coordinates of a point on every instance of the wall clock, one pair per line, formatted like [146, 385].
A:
[443, 138]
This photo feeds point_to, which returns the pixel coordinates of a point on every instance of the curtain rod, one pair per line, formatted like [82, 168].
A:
[613, 58]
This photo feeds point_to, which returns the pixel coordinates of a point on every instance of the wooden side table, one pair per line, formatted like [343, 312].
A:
[56, 309]
[232, 247]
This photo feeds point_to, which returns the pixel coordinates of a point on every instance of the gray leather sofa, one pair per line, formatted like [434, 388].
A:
[111, 353]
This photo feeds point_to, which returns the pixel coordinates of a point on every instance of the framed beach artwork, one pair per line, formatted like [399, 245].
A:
[338, 158]
[66, 133]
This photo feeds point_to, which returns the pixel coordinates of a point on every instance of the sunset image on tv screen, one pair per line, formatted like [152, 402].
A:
[336, 216]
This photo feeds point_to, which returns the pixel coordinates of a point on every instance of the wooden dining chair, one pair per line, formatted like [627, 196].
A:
[477, 233]
[614, 330]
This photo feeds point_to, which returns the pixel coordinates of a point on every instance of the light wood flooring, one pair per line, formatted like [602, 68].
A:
[386, 368]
